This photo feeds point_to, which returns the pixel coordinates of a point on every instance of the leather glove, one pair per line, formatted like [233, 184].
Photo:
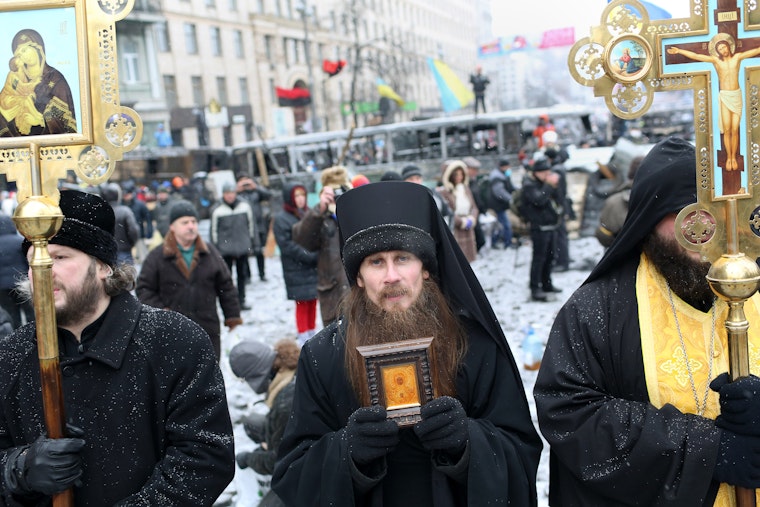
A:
[443, 426]
[739, 404]
[738, 460]
[242, 459]
[370, 434]
[46, 466]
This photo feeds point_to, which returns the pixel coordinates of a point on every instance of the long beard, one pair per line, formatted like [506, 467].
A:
[430, 315]
[685, 276]
[81, 302]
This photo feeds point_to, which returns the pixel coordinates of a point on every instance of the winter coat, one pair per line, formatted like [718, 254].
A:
[126, 232]
[299, 265]
[613, 215]
[541, 204]
[13, 260]
[166, 282]
[464, 234]
[147, 394]
[261, 216]
[319, 232]
[232, 228]
[142, 217]
[161, 216]
[6, 323]
[501, 191]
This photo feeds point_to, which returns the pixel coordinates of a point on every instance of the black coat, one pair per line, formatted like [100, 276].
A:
[13, 260]
[542, 203]
[166, 282]
[150, 398]
[299, 265]
[314, 467]
[609, 445]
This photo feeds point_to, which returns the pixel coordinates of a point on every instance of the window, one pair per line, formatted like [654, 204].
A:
[191, 39]
[216, 41]
[243, 85]
[211, 3]
[221, 89]
[272, 92]
[237, 40]
[232, 5]
[198, 95]
[162, 37]
[129, 61]
[268, 41]
[260, 6]
[170, 91]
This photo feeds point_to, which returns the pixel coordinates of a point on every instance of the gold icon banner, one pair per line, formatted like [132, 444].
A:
[61, 93]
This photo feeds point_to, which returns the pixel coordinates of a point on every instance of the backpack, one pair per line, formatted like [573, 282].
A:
[484, 197]
[517, 205]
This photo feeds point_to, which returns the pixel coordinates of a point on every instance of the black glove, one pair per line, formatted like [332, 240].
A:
[739, 404]
[370, 434]
[738, 460]
[47, 466]
[443, 426]
[242, 459]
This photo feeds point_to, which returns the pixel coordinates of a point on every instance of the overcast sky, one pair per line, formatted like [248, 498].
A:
[580, 14]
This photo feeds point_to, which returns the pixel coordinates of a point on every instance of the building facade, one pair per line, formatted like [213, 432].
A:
[206, 71]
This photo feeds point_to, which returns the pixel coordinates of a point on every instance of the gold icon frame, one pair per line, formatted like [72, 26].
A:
[400, 377]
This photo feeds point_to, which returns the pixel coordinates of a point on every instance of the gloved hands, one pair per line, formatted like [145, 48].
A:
[370, 434]
[443, 426]
[738, 460]
[46, 466]
[739, 404]
[242, 459]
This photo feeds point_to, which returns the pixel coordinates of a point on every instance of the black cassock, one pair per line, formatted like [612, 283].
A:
[314, 467]
[609, 445]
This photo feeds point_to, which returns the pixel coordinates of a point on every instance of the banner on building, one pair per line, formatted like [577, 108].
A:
[293, 97]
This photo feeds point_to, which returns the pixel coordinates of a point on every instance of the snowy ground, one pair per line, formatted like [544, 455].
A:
[504, 276]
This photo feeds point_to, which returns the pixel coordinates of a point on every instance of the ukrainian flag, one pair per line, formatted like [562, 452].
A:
[385, 90]
[454, 93]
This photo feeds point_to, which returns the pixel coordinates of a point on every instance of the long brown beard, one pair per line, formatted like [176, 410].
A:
[430, 315]
[685, 276]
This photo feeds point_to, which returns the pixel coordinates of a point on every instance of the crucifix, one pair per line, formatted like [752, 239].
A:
[726, 52]
[627, 59]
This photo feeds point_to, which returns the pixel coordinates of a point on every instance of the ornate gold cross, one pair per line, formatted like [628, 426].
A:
[715, 53]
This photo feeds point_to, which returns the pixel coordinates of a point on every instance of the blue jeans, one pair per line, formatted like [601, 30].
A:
[505, 233]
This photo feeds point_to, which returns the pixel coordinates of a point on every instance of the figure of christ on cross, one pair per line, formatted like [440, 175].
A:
[726, 62]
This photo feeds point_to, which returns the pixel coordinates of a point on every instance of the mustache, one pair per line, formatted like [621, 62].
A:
[393, 291]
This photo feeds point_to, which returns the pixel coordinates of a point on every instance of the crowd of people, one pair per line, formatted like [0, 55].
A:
[632, 395]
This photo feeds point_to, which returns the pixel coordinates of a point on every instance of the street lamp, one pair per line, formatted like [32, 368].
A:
[305, 13]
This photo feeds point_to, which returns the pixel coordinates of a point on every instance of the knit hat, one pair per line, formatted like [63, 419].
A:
[390, 176]
[359, 180]
[539, 165]
[471, 162]
[229, 187]
[181, 209]
[252, 361]
[409, 171]
[88, 226]
[386, 216]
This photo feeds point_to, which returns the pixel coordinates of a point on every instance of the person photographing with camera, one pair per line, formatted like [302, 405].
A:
[318, 232]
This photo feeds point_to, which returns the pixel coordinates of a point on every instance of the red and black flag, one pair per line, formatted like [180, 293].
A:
[293, 97]
[333, 68]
